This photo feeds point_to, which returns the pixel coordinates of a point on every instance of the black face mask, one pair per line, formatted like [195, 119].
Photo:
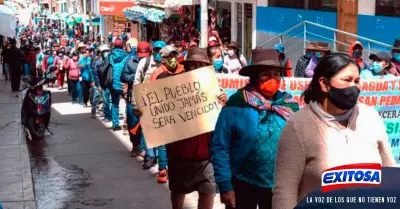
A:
[345, 98]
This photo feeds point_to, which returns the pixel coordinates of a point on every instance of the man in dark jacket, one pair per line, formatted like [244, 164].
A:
[300, 71]
[15, 59]
[99, 78]
[128, 77]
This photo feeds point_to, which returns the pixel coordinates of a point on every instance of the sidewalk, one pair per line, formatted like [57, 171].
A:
[16, 187]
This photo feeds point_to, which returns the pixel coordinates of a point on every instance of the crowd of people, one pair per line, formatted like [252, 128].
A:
[256, 156]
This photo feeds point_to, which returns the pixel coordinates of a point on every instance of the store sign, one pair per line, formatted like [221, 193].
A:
[114, 8]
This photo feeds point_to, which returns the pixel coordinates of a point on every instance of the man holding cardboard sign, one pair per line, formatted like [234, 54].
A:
[181, 110]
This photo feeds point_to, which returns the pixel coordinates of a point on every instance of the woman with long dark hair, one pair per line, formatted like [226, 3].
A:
[332, 130]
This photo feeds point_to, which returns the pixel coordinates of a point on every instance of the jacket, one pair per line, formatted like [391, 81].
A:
[143, 75]
[129, 71]
[300, 71]
[244, 144]
[395, 68]
[98, 72]
[360, 61]
[50, 60]
[30, 57]
[73, 70]
[86, 68]
[285, 62]
[118, 59]
[193, 148]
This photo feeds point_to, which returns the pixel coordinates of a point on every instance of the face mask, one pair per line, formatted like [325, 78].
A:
[377, 67]
[171, 63]
[309, 54]
[218, 64]
[357, 54]
[318, 55]
[231, 53]
[396, 57]
[105, 54]
[345, 98]
[60, 55]
[270, 86]
[157, 57]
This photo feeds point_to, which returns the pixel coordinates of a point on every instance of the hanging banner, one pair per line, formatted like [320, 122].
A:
[383, 94]
[178, 107]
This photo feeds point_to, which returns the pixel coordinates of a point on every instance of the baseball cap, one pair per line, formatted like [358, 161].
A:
[104, 47]
[167, 50]
[118, 44]
[143, 49]
[381, 56]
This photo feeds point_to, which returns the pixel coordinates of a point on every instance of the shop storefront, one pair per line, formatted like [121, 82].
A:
[113, 18]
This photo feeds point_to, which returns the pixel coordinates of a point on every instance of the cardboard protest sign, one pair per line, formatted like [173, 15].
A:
[178, 107]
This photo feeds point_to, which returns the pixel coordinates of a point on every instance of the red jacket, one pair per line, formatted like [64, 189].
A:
[30, 57]
[193, 148]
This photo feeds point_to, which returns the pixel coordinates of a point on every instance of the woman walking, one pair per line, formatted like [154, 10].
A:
[245, 139]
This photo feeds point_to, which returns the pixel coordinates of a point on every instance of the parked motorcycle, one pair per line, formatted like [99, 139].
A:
[36, 106]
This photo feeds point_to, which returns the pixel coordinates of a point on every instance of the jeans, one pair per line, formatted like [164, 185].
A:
[132, 121]
[94, 98]
[159, 152]
[76, 91]
[106, 103]
[115, 98]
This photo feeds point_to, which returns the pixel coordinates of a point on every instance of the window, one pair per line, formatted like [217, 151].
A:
[324, 5]
[387, 8]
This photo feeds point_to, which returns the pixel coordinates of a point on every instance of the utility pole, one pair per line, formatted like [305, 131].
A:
[84, 16]
[204, 23]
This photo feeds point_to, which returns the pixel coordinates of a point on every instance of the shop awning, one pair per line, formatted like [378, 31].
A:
[150, 13]
[155, 15]
[135, 13]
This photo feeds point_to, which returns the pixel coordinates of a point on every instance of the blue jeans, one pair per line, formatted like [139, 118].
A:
[76, 91]
[106, 103]
[159, 152]
[132, 121]
[94, 98]
[115, 98]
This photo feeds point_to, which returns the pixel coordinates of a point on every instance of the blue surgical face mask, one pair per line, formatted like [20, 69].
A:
[218, 64]
[133, 52]
[309, 54]
[396, 57]
[377, 67]
[357, 54]
[157, 57]
[318, 55]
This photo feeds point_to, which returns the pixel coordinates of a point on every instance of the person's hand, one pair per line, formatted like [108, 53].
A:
[100, 89]
[228, 198]
[80, 78]
[137, 112]
[222, 97]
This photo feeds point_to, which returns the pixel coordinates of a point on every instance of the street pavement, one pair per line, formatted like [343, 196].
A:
[16, 189]
[83, 165]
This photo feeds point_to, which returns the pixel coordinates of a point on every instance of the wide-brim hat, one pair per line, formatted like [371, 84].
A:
[396, 45]
[318, 46]
[81, 45]
[233, 44]
[381, 56]
[196, 54]
[262, 58]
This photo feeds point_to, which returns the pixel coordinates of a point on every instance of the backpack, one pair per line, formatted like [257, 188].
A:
[107, 74]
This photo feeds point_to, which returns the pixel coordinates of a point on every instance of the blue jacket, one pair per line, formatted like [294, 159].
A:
[118, 59]
[86, 68]
[245, 147]
[129, 72]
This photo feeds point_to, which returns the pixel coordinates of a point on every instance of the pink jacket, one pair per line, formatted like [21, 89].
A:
[73, 70]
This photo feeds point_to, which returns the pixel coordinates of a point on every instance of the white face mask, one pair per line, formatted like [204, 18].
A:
[231, 53]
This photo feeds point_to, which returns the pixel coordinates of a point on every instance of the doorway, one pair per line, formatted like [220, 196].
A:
[347, 18]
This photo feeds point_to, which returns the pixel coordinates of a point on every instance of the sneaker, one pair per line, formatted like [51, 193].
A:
[148, 163]
[162, 177]
[93, 115]
[117, 128]
[105, 120]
